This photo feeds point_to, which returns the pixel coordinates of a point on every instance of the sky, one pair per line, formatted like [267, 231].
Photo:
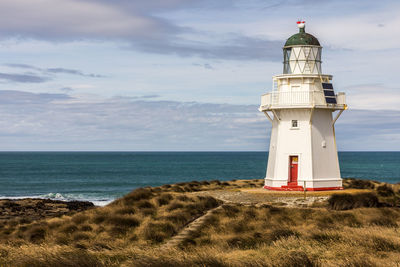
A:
[185, 75]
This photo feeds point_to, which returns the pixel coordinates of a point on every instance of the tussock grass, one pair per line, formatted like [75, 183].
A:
[385, 190]
[359, 230]
[36, 234]
[159, 231]
[50, 258]
[164, 199]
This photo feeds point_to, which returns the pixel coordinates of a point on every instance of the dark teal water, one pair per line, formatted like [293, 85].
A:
[103, 176]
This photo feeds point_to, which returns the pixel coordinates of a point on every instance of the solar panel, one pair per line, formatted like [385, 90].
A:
[329, 93]
[327, 86]
[331, 100]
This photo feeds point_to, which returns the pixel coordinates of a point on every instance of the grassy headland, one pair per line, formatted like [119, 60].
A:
[245, 226]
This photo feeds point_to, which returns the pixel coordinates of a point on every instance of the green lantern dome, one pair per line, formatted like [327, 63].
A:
[302, 38]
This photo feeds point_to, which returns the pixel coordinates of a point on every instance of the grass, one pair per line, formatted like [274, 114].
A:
[351, 201]
[350, 229]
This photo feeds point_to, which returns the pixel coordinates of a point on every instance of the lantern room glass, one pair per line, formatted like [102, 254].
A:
[302, 60]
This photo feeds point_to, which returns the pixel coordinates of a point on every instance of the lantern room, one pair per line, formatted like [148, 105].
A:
[302, 53]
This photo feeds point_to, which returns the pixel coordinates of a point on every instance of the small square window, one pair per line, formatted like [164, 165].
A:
[295, 124]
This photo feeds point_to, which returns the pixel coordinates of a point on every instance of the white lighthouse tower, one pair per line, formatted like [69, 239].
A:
[301, 107]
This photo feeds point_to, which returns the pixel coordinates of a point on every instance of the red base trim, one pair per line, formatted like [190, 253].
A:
[300, 188]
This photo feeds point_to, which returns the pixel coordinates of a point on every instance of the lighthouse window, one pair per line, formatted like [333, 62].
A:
[286, 57]
[295, 124]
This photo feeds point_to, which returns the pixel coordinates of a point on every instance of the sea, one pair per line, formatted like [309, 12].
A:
[101, 177]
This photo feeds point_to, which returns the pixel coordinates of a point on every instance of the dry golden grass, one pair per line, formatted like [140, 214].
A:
[131, 230]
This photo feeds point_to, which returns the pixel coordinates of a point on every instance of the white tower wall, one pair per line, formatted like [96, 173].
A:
[326, 163]
[313, 141]
[285, 143]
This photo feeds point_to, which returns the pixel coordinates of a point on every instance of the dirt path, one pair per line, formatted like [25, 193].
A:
[257, 198]
[190, 228]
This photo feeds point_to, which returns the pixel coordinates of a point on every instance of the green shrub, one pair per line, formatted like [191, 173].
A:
[385, 190]
[351, 201]
[359, 184]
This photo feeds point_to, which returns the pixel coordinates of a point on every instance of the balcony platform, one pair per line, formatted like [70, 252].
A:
[300, 99]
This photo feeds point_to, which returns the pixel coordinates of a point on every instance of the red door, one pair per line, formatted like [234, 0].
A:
[293, 169]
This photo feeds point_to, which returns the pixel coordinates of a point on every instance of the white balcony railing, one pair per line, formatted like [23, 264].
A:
[299, 98]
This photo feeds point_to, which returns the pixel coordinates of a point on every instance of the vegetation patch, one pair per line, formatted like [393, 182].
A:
[351, 201]
[355, 230]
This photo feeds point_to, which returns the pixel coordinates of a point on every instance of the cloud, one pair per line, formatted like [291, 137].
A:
[23, 78]
[373, 97]
[77, 19]
[56, 121]
[205, 65]
[67, 89]
[40, 75]
[134, 22]
[60, 122]
[11, 97]
[368, 130]
[154, 26]
[236, 47]
[22, 66]
[130, 98]
[73, 72]
[48, 71]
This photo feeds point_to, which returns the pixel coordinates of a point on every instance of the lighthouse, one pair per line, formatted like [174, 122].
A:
[302, 108]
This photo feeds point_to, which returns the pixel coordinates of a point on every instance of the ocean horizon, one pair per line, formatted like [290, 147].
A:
[102, 176]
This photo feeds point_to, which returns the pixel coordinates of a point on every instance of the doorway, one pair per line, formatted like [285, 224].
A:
[293, 169]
